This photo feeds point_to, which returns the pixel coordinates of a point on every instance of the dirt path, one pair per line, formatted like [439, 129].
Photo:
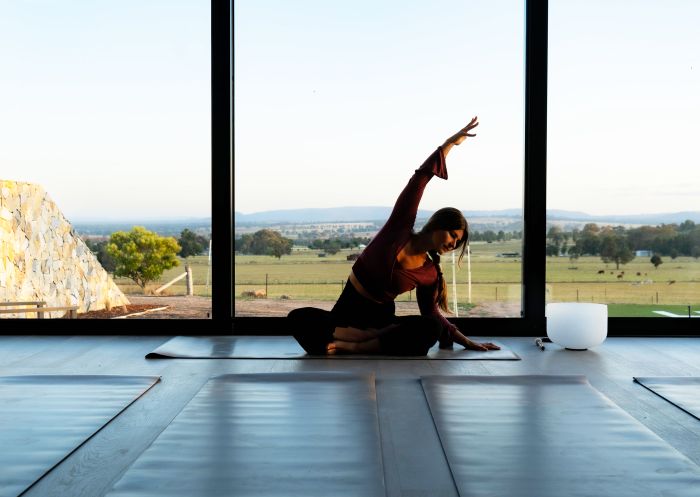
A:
[182, 307]
[281, 307]
[179, 307]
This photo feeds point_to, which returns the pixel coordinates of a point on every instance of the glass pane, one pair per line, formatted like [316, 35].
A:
[336, 104]
[105, 126]
[623, 176]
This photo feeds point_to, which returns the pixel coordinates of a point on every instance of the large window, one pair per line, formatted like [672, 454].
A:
[335, 105]
[623, 176]
[106, 110]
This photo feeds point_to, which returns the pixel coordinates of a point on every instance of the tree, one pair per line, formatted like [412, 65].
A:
[656, 261]
[695, 252]
[264, 242]
[615, 248]
[573, 253]
[552, 250]
[142, 255]
[588, 241]
[687, 225]
[191, 243]
[243, 244]
[100, 251]
[489, 236]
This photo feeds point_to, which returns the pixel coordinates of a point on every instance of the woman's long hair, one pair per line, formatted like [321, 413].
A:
[448, 219]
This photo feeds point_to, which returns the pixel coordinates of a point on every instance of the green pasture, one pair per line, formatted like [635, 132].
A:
[635, 289]
[304, 275]
[647, 311]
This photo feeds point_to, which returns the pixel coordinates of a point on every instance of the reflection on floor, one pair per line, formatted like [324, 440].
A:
[411, 451]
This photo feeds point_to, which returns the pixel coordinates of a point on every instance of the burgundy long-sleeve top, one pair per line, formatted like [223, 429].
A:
[377, 269]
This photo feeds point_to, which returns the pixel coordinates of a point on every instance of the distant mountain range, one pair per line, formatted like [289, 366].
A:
[507, 219]
[374, 213]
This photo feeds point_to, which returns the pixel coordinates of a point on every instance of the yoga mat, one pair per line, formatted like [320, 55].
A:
[264, 435]
[550, 436]
[683, 392]
[43, 419]
[285, 347]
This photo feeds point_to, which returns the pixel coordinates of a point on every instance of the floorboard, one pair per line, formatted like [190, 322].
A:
[408, 439]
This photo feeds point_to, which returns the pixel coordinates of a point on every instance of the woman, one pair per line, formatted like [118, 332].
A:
[397, 260]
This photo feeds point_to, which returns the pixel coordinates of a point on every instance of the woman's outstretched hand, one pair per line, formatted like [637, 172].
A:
[460, 135]
[465, 342]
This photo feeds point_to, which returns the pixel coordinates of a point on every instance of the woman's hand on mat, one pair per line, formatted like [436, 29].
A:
[471, 344]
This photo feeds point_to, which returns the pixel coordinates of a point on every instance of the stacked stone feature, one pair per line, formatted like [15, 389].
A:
[43, 259]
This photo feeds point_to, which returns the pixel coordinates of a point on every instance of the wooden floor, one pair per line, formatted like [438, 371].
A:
[414, 463]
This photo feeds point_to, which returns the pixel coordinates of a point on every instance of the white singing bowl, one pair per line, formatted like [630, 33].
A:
[577, 326]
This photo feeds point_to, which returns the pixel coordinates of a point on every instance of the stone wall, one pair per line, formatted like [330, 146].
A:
[43, 259]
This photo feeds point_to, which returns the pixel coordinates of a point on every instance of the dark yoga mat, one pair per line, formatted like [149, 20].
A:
[550, 436]
[264, 435]
[683, 392]
[285, 347]
[43, 419]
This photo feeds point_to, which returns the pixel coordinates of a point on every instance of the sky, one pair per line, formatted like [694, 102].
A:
[337, 103]
[107, 104]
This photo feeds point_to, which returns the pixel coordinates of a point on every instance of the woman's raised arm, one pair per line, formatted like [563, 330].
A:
[460, 135]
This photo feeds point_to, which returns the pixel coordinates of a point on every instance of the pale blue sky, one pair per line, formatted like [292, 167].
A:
[107, 104]
[624, 101]
[337, 102]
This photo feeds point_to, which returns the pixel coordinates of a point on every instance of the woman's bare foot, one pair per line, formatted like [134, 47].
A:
[351, 334]
[341, 347]
[336, 347]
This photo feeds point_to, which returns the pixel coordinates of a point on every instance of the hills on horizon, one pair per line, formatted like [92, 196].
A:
[164, 227]
[378, 213]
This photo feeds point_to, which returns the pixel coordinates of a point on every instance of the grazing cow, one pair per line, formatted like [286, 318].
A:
[256, 294]
[619, 276]
[602, 271]
[639, 274]
[671, 282]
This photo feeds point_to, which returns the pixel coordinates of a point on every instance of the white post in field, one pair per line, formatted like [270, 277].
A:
[189, 280]
[454, 286]
[206, 288]
[469, 274]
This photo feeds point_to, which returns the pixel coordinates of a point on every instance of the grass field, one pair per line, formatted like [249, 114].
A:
[636, 292]
[199, 272]
[304, 275]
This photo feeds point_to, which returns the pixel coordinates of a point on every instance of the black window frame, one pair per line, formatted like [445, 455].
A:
[223, 322]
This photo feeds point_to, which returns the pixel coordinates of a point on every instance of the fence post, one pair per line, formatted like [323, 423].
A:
[189, 281]
[40, 315]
